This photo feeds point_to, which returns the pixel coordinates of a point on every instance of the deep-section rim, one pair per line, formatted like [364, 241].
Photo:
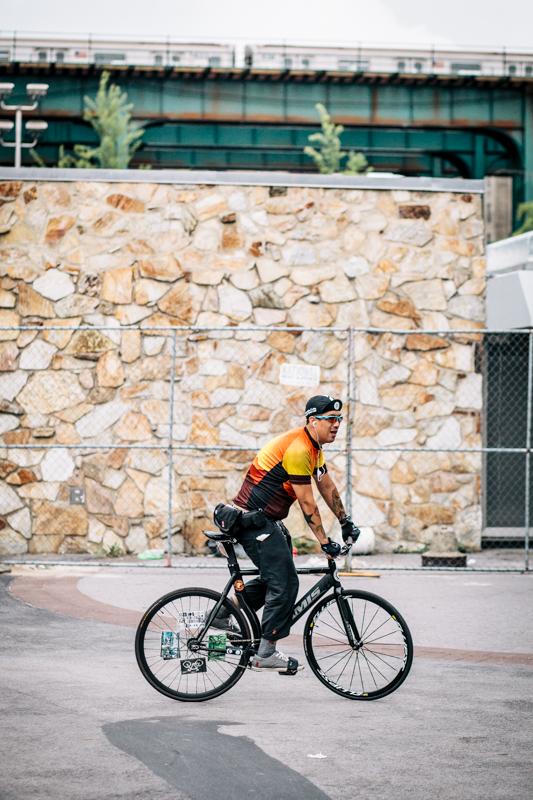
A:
[386, 606]
[143, 627]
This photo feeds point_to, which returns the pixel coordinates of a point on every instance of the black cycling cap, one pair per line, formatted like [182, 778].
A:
[321, 404]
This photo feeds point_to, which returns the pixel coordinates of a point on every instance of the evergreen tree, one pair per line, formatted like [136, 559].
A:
[525, 213]
[328, 158]
[110, 116]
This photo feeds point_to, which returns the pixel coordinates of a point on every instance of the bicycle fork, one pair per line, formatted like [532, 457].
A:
[345, 611]
[349, 623]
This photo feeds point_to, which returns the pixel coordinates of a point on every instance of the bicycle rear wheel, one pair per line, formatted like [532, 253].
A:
[380, 660]
[171, 660]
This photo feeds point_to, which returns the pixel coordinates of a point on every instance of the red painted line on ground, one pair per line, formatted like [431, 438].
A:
[61, 595]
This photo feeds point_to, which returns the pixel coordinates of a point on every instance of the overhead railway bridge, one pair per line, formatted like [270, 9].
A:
[202, 111]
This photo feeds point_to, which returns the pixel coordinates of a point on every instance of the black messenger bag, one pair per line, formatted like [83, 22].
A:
[253, 519]
[232, 520]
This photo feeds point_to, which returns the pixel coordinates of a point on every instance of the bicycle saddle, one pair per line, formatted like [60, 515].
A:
[218, 536]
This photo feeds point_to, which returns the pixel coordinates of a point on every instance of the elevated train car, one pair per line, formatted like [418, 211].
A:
[114, 52]
[390, 60]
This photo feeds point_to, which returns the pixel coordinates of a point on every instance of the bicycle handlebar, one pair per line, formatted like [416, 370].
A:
[346, 549]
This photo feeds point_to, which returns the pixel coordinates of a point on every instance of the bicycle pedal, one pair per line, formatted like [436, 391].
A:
[289, 672]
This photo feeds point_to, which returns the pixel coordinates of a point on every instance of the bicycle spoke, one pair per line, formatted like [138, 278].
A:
[382, 660]
[340, 628]
[353, 672]
[377, 629]
[370, 641]
[340, 676]
[364, 614]
[389, 655]
[370, 665]
[332, 655]
[331, 639]
[322, 622]
[370, 623]
[332, 666]
[336, 653]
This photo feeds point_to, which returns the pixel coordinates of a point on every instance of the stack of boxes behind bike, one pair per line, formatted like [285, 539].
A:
[245, 296]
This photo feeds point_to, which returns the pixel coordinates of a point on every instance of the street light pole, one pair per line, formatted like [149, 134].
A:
[36, 91]
[18, 136]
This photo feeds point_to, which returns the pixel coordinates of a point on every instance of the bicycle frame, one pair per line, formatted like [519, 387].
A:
[329, 581]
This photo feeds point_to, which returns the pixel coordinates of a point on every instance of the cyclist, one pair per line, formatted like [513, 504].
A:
[280, 474]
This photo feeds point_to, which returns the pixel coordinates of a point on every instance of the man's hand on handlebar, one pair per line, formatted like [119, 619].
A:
[331, 549]
[350, 533]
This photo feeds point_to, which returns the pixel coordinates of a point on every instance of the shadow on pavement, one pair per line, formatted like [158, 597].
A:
[194, 758]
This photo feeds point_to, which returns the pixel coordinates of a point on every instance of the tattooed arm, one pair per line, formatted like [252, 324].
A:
[304, 494]
[329, 492]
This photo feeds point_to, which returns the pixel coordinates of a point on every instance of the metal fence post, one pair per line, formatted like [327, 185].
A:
[528, 446]
[350, 398]
[170, 435]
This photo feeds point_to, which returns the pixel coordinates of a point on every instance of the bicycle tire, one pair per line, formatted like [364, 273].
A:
[167, 662]
[382, 661]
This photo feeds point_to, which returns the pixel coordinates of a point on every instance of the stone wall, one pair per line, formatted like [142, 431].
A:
[154, 256]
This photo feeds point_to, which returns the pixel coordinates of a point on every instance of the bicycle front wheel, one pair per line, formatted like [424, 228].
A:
[174, 663]
[376, 664]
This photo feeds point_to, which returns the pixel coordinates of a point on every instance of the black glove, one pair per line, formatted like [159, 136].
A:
[331, 548]
[349, 530]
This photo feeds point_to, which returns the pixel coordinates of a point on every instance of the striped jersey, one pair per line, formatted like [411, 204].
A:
[287, 460]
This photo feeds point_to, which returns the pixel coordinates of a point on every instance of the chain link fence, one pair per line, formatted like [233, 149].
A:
[441, 445]
[125, 439]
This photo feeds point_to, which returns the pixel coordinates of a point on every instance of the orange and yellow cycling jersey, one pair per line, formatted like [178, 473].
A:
[288, 459]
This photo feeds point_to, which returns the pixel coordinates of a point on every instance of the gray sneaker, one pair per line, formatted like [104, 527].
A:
[277, 662]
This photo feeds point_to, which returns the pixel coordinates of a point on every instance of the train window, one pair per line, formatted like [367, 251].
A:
[347, 65]
[512, 69]
[214, 61]
[60, 57]
[418, 66]
[109, 58]
[176, 59]
[287, 63]
[305, 63]
[158, 61]
[4, 55]
[400, 66]
[465, 67]
[528, 71]
[42, 55]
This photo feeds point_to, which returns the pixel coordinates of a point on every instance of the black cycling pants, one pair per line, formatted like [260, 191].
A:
[276, 588]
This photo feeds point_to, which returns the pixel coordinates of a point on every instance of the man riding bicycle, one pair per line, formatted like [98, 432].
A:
[280, 474]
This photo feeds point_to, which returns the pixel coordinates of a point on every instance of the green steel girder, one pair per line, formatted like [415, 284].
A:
[248, 119]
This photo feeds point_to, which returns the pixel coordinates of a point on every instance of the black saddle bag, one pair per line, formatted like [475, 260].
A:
[228, 519]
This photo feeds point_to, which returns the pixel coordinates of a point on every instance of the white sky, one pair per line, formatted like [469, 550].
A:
[477, 22]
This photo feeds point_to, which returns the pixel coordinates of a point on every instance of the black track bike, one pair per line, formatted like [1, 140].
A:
[355, 642]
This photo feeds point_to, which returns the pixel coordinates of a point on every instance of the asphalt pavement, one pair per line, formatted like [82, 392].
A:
[78, 721]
